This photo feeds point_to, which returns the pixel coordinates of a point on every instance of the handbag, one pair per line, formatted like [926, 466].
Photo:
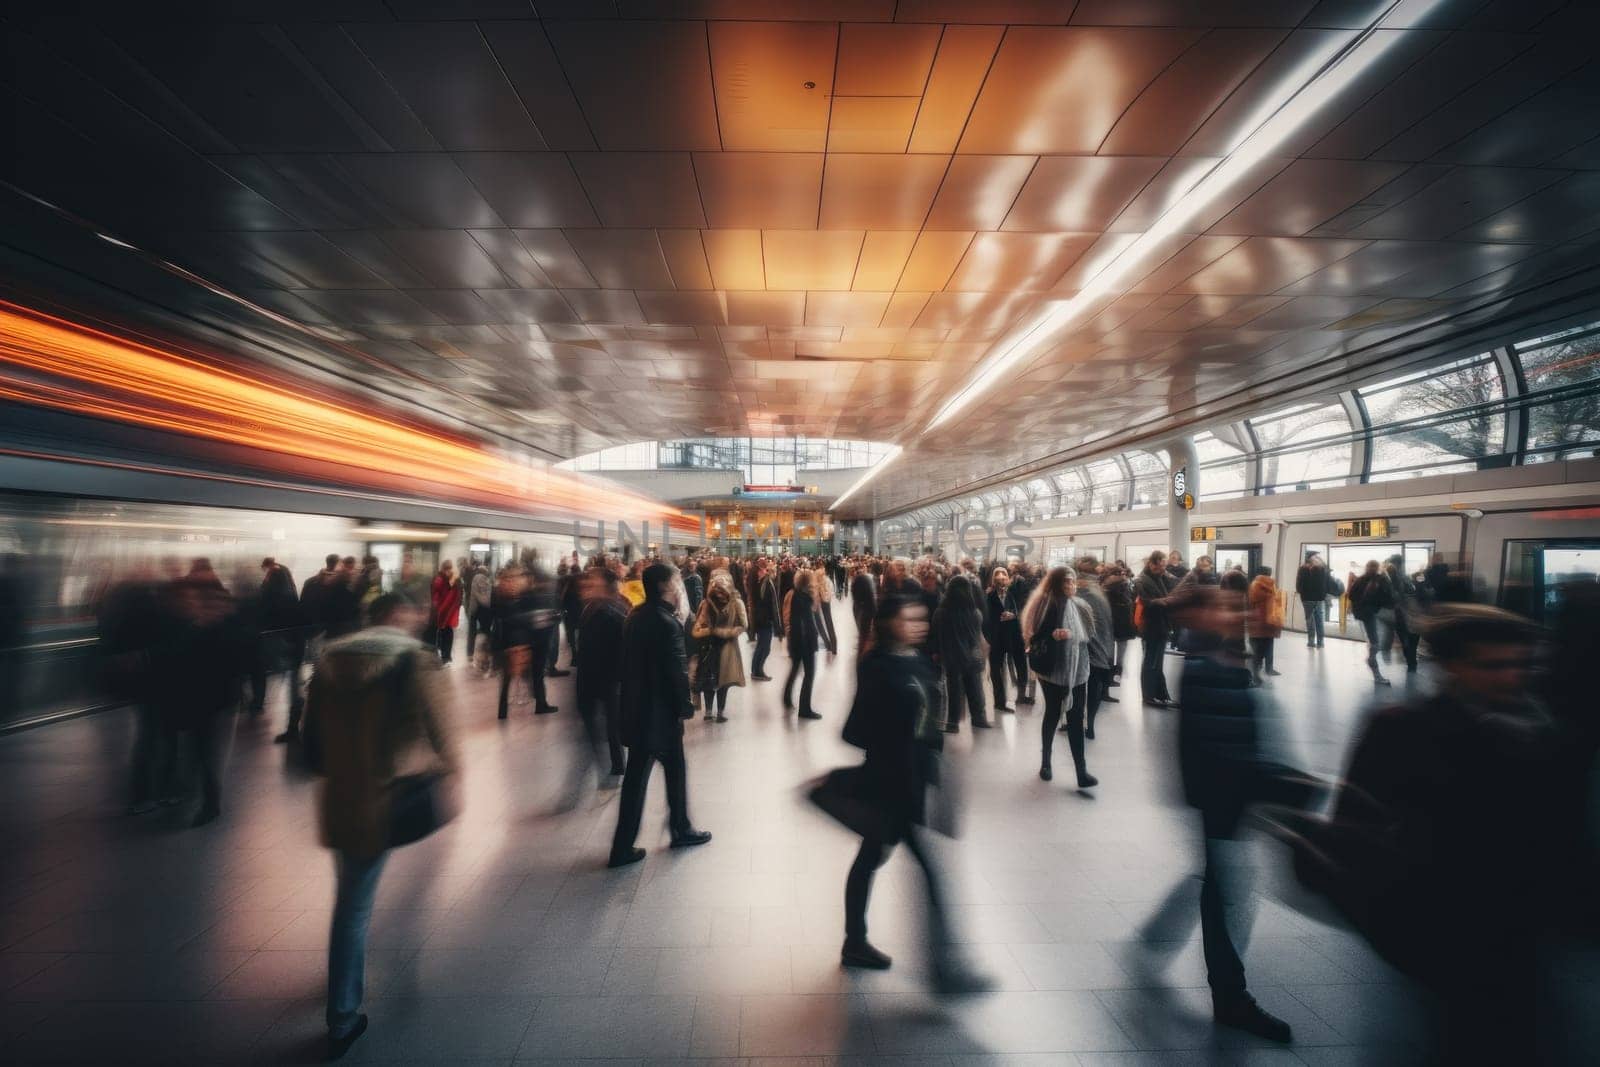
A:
[1042, 652]
[416, 807]
[844, 795]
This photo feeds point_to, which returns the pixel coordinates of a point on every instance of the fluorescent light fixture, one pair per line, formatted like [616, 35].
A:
[399, 533]
[870, 473]
[106, 237]
[1318, 80]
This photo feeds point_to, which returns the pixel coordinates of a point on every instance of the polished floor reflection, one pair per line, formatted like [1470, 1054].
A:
[504, 939]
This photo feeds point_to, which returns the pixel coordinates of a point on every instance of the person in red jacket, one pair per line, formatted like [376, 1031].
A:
[446, 608]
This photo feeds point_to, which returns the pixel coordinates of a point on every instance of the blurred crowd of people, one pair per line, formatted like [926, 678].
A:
[1460, 841]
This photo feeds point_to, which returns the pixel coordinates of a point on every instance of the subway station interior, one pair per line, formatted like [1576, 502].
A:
[1160, 439]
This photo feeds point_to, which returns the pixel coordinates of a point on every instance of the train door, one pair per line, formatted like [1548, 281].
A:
[1245, 557]
[1346, 561]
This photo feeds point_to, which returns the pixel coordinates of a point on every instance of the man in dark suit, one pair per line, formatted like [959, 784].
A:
[654, 702]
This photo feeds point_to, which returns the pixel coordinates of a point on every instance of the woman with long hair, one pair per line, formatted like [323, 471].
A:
[1053, 618]
[1002, 625]
[717, 627]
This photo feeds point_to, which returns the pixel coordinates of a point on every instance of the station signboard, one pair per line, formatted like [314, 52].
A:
[1202, 533]
[1361, 529]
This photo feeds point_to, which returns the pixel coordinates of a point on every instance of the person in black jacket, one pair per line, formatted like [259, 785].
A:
[766, 617]
[863, 604]
[1219, 758]
[892, 722]
[958, 649]
[1152, 589]
[1312, 586]
[283, 642]
[511, 607]
[1002, 628]
[200, 662]
[654, 700]
[605, 611]
[804, 639]
[1370, 596]
[1023, 581]
[1119, 593]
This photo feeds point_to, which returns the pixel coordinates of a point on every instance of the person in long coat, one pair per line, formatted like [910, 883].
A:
[446, 608]
[805, 637]
[1053, 613]
[895, 721]
[717, 627]
[654, 702]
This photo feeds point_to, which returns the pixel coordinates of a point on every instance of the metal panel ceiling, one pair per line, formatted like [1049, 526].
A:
[571, 224]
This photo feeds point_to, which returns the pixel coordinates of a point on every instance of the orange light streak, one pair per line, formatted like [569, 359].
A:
[105, 376]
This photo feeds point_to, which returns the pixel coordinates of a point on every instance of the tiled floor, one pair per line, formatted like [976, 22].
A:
[503, 939]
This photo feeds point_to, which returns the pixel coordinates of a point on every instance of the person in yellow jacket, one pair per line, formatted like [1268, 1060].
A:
[633, 586]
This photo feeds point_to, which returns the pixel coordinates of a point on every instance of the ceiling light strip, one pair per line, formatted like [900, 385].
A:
[1317, 81]
[869, 474]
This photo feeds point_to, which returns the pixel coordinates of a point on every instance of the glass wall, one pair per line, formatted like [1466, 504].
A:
[764, 460]
[1528, 402]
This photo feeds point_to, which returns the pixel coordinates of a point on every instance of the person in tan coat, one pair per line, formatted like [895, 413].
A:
[717, 626]
[375, 727]
[1266, 621]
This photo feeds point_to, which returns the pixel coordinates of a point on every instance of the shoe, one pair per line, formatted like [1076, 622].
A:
[788, 705]
[982, 724]
[1151, 702]
[710, 717]
[1378, 679]
[722, 718]
[622, 859]
[1114, 683]
[1088, 733]
[691, 839]
[1275, 673]
[809, 714]
[861, 954]
[1002, 709]
[1241, 1012]
[761, 677]
[205, 815]
[1108, 699]
[1045, 773]
[1061, 729]
[1087, 780]
[552, 673]
[287, 737]
[1319, 644]
[546, 709]
[338, 1046]
[952, 728]
[1025, 700]
[616, 770]
[957, 980]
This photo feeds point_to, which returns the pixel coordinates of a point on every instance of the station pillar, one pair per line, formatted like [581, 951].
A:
[1183, 480]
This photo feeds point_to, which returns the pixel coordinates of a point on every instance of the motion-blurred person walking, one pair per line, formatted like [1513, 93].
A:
[654, 701]
[283, 640]
[200, 662]
[376, 707]
[958, 650]
[895, 720]
[605, 610]
[1102, 647]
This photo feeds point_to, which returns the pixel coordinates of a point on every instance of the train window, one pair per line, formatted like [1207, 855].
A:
[1535, 575]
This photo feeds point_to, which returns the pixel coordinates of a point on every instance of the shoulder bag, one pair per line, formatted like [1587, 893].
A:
[416, 802]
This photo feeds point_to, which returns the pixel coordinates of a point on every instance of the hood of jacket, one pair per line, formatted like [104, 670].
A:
[358, 660]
